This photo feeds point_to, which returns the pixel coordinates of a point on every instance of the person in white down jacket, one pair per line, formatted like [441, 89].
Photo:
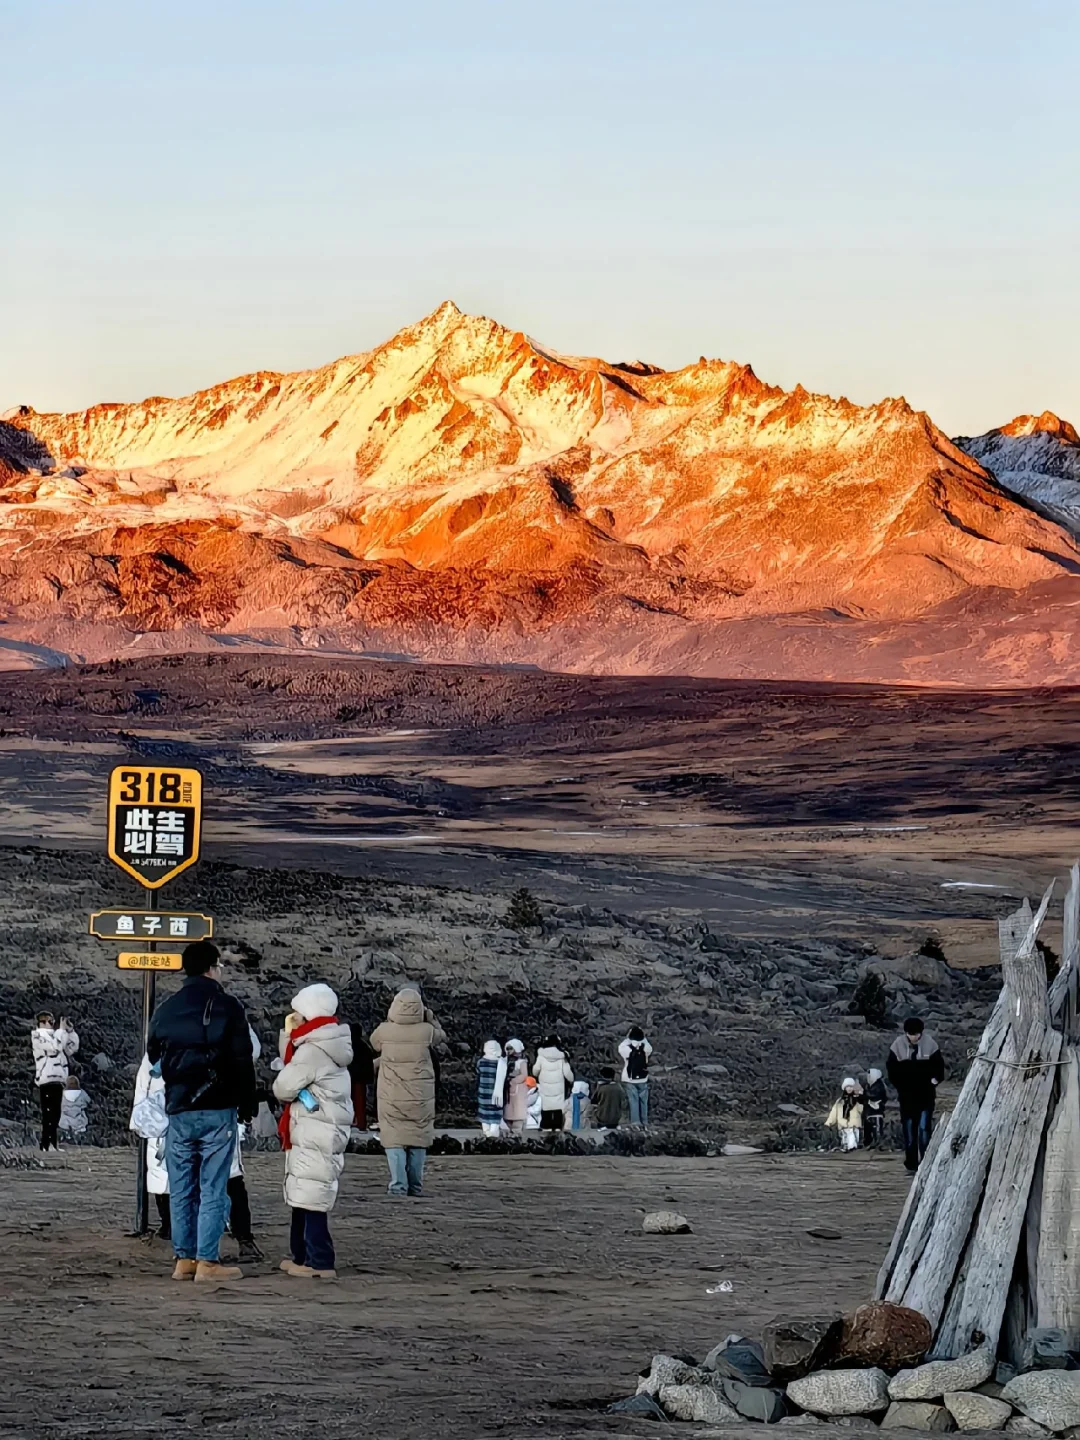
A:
[316, 1049]
[554, 1079]
[53, 1046]
[74, 1103]
[149, 1085]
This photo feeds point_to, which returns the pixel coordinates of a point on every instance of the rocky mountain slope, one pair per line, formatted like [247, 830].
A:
[462, 492]
[1038, 457]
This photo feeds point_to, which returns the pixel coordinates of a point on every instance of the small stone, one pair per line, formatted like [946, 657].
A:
[977, 1412]
[731, 1148]
[917, 1415]
[890, 1336]
[1049, 1397]
[696, 1402]
[852, 1422]
[1046, 1348]
[1021, 1425]
[931, 1381]
[794, 1346]
[666, 1222]
[801, 1420]
[841, 1392]
[670, 1370]
[643, 1405]
[822, 1232]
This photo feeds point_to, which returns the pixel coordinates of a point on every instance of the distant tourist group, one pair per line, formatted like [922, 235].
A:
[513, 1097]
[915, 1068]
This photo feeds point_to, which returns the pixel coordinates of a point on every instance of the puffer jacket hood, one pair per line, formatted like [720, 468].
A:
[407, 1008]
[315, 1002]
[320, 1063]
[492, 1050]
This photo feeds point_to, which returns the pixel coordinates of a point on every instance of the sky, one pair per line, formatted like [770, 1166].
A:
[869, 199]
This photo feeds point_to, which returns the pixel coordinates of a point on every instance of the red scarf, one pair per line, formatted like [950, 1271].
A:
[290, 1050]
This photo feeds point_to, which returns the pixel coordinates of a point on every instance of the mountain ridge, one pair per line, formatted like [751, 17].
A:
[541, 487]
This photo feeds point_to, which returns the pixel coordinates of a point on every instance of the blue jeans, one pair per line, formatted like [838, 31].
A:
[199, 1146]
[406, 1169]
[309, 1239]
[637, 1095]
[918, 1125]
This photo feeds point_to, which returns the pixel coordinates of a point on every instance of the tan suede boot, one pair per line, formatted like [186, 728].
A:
[298, 1272]
[209, 1272]
[185, 1270]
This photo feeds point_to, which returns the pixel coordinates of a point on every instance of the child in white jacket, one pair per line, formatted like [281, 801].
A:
[53, 1046]
[846, 1116]
[314, 1081]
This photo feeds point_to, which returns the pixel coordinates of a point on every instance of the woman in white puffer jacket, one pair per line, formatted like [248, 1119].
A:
[554, 1078]
[316, 1049]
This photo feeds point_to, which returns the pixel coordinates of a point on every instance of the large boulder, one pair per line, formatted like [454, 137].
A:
[931, 1381]
[841, 1392]
[977, 1412]
[917, 1415]
[670, 1370]
[891, 1336]
[740, 1360]
[796, 1345]
[754, 1402]
[1021, 1425]
[696, 1402]
[1049, 1397]
[666, 1222]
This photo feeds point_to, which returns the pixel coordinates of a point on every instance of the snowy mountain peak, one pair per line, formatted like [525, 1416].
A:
[1038, 457]
[1046, 424]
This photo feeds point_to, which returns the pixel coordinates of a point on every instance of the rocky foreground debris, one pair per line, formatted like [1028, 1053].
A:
[866, 1368]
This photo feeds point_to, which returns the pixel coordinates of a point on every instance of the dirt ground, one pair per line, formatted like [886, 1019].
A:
[520, 1295]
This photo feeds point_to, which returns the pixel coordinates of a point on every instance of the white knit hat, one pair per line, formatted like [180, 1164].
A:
[315, 1002]
[849, 1081]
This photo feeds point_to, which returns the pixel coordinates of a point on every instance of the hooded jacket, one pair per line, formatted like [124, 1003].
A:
[489, 1104]
[406, 1073]
[320, 1064]
[52, 1051]
[157, 1175]
[915, 1071]
[202, 1039]
[875, 1093]
[517, 1092]
[553, 1076]
[73, 1106]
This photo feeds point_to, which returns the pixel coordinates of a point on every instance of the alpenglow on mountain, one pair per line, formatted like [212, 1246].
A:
[464, 493]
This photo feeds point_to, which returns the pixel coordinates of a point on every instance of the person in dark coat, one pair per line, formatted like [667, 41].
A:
[875, 1098]
[362, 1074]
[201, 1040]
[916, 1068]
[609, 1102]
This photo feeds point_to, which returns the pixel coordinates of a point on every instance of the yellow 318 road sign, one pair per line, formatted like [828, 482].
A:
[155, 821]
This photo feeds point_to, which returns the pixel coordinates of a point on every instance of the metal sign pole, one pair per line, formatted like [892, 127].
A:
[149, 990]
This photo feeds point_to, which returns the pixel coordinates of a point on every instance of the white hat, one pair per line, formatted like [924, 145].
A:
[847, 1082]
[873, 1075]
[315, 1002]
[492, 1050]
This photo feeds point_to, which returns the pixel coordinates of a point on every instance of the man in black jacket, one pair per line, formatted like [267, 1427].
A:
[916, 1069]
[200, 1037]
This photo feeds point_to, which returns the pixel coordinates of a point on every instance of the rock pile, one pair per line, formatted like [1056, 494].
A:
[861, 1369]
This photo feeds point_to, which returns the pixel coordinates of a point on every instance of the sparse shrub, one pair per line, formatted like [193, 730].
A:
[524, 911]
[870, 1000]
[931, 947]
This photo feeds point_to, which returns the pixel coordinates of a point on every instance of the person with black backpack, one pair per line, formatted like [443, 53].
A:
[634, 1052]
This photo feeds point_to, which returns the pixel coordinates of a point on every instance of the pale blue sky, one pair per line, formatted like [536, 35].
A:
[868, 198]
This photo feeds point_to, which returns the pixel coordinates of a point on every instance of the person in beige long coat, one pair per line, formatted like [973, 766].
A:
[406, 1088]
